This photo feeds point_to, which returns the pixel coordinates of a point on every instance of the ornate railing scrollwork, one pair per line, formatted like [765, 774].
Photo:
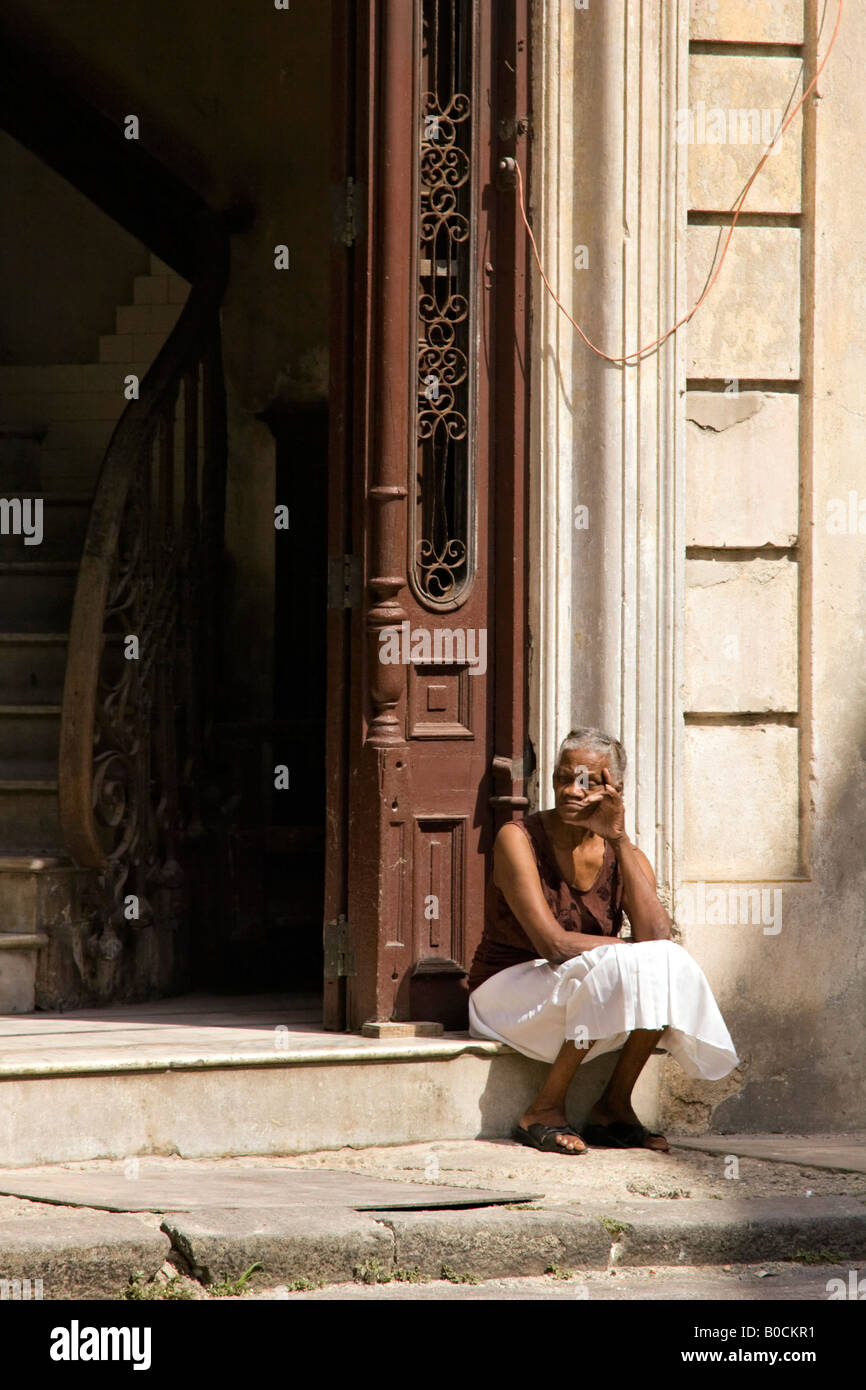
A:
[139, 676]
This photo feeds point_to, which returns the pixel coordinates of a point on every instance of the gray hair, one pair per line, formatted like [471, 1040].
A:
[596, 741]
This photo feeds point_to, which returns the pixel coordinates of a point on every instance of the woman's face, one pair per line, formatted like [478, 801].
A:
[578, 774]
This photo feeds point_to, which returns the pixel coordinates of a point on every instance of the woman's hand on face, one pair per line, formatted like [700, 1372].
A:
[603, 811]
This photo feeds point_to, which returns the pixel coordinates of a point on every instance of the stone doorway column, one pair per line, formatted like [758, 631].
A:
[608, 205]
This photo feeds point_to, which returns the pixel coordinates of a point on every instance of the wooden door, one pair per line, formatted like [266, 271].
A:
[426, 658]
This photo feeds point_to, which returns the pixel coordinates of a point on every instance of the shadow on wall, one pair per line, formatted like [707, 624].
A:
[516, 1080]
[794, 998]
[57, 249]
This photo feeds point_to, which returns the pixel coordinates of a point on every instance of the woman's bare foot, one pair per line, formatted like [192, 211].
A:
[602, 1114]
[555, 1117]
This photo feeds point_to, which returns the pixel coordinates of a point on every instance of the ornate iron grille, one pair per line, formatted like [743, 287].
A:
[443, 517]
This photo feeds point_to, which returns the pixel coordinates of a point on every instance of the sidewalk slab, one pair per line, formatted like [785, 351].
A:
[329, 1244]
[605, 1175]
[80, 1254]
[297, 1216]
[148, 1187]
[319, 1243]
[762, 1283]
[735, 1232]
[839, 1153]
[496, 1244]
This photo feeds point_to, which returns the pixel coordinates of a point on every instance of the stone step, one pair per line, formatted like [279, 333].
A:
[64, 518]
[69, 470]
[84, 377]
[29, 816]
[19, 953]
[147, 318]
[129, 348]
[89, 1102]
[37, 893]
[86, 436]
[29, 467]
[204, 1076]
[39, 409]
[20, 448]
[32, 667]
[160, 289]
[36, 596]
[29, 741]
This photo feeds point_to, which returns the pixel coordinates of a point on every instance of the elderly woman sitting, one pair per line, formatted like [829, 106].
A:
[550, 976]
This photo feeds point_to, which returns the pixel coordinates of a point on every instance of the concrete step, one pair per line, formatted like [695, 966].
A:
[29, 817]
[337, 1253]
[36, 893]
[147, 318]
[36, 596]
[47, 897]
[506, 1242]
[29, 741]
[129, 348]
[763, 1282]
[20, 447]
[63, 526]
[39, 409]
[64, 471]
[79, 1255]
[86, 436]
[19, 953]
[90, 377]
[42, 471]
[203, 1077]
[32, 667]
[167, 1077]
[160, 289]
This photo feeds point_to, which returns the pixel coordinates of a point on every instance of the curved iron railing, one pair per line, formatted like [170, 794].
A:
[144, 634]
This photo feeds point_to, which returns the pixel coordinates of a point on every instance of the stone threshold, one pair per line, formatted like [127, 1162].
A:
[359, 1050]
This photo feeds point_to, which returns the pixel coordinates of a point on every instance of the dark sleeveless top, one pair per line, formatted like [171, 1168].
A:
[598, 911]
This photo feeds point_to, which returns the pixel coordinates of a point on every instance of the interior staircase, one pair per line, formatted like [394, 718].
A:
[55, 425]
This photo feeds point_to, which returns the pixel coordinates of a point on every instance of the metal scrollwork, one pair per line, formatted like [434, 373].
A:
[135, 756]
[143, 650]
[442, 519]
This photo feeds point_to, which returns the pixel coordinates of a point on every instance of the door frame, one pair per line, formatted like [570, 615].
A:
[371, 447]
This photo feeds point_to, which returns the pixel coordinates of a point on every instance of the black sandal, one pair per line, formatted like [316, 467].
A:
[543, 1138]
[619, 1135]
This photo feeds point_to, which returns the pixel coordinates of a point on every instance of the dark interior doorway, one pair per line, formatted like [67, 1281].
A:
[263, 930]
[296, 864]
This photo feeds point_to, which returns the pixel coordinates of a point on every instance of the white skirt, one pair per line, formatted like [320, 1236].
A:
[601, 996]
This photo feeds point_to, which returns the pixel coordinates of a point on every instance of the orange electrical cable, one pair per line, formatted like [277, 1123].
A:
[738, 207]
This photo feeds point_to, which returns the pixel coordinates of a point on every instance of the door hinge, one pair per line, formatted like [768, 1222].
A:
[511, 126]
[350, 213]
[339, 958]
[344, 581]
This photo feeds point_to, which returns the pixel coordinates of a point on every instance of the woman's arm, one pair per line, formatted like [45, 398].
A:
[516, 876]
[649, 920]
[606, 817]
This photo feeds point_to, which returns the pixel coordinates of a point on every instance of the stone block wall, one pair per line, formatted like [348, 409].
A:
[743, 665]
[770, 869]
[713, 610]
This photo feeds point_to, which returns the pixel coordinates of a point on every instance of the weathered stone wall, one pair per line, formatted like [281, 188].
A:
[774, 733]
[721, 575]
